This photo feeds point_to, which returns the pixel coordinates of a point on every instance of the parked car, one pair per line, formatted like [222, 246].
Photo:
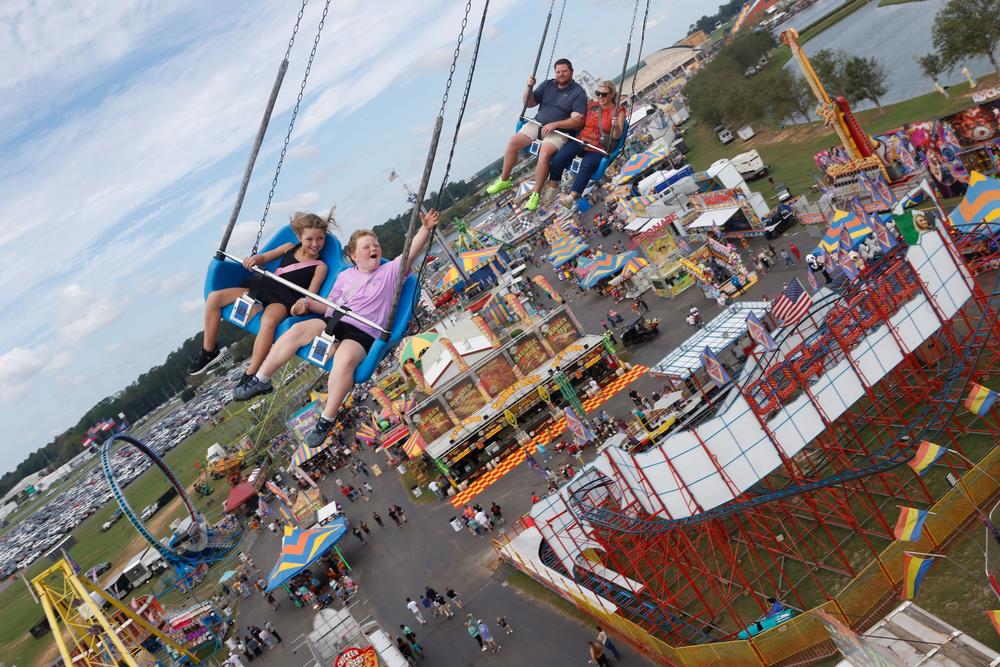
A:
[778, 221]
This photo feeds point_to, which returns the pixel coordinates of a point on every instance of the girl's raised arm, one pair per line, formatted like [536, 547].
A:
[428, 221]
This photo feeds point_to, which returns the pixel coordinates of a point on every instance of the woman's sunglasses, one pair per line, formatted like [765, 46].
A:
[603, 93]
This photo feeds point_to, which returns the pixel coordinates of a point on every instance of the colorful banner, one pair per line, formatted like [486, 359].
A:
[528, 353]
[561, 331]
[496, 375]
[465, 398]
[304, 420]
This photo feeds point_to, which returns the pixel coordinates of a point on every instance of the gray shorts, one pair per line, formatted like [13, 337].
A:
[533, 131]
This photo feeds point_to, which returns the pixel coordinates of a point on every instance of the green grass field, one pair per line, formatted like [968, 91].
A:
[121, 542]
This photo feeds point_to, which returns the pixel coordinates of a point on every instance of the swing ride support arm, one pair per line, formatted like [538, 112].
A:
[538, 57]
[304, 292]
[248, 171]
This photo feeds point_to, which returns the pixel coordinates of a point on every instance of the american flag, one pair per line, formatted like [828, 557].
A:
[792, 305]
[393, 175]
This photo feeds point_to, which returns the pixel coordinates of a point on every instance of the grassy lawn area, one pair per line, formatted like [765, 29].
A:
[886, 3]
[122, 542]
[790, 151]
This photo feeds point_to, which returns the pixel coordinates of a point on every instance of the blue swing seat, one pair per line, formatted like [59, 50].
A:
[226, 274]
[605, 161]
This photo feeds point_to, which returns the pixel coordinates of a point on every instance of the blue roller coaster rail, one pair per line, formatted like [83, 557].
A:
[187, 553]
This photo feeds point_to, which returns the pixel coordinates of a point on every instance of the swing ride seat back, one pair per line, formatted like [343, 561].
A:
[606, 161]
[224, 274]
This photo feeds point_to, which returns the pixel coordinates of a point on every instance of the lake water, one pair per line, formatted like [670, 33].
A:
[893, 35]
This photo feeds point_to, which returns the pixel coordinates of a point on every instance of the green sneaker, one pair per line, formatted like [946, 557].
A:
[498, 186]
[533, 201]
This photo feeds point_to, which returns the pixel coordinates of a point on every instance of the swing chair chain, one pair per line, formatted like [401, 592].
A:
[295, 30]
[454, 58]
[555, 40]
[465, 101]
[291, 122]
[642, 41]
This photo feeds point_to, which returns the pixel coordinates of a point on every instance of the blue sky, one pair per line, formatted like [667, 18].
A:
[125, 127]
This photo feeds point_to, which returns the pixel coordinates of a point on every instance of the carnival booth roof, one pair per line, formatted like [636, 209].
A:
[857, 231]
[640, 162]
[238, 495]
[471, 261]
[635, 207]
[981, 204]
[414, 346]
[300, 548]
[606, 267]
[565, 249]
[716, 217]
[305, 452]
[633, 265]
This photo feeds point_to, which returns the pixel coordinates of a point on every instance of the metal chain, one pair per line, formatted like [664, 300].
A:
[454, 58]
[638, 59]
[291, 122]
[555, 40]
[295, 30]
[465, 101]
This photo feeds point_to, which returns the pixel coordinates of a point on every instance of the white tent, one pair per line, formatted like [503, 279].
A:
[714, 218]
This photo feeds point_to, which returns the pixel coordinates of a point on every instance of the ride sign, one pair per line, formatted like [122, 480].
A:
[353, 656]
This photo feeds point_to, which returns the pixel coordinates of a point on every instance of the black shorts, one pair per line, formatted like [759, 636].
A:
[345, 331]
[268, 291]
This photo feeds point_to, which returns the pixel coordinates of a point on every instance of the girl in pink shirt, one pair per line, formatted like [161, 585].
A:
[367, 289]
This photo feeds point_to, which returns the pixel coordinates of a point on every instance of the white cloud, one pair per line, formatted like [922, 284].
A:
[82, 312]
[17, 367]
[192, 305]
[167, 285]
[304, 201]
[58, 362]
[307, 151]
[487, 117]
[113, 347]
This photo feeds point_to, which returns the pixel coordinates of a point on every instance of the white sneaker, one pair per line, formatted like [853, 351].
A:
[568, 201]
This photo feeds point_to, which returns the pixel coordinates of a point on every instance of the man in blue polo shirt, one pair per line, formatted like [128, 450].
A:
[562, 105]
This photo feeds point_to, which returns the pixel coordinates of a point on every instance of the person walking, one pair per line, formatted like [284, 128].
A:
[473, 629]
[406, 651]
[378, 519]
[400, 513]
[606, 642]
[253, 645]
[358, 534]
[454, 598]
[268, 639]
[487, 636]
[415, 610]
[443, 605]
[364, 526]
[395, 517]
[502, 623]
[410, 635]
[269, 626]
[597, 656]
[787, 257]
[497, 513]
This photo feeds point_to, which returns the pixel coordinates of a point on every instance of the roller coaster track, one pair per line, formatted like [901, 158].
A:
[179, 561]
[925, 425]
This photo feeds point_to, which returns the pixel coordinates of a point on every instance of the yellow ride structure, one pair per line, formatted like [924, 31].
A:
[85, 635]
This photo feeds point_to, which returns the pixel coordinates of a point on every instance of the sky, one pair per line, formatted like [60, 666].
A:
[125, 128]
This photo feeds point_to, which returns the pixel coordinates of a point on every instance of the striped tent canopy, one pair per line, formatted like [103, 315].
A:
[635, 207]
[403, 406]
[394, 435]
[305, 452]
[524, 187]
[471, 260]
[414, 445]
[553, 233]
[857, 230]
[606, 267]
[366, 434]
[300, 548]
[565, 249]
[413, 346]
[981, 204]
[497, 312]
[632, 266]
[640, 162]
[585, 265]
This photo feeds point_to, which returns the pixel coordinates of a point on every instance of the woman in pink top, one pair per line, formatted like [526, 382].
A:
[367, 289]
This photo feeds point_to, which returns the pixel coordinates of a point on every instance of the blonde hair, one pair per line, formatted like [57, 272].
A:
[610, 86]
[357, 235]
[303, 221]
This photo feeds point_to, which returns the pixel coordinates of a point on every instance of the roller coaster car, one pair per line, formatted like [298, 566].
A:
[642, 330]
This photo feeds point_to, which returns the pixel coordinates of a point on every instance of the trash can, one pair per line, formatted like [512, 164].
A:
[456, 525]
[416, 491]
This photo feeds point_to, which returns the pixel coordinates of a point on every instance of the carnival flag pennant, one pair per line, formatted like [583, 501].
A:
[914, 569]
[759, 334]
[882, 235]
[846, 264]
[714, 368]
[811, 279]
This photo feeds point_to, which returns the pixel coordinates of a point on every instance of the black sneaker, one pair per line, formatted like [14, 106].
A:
[317, 435]
[250, 388]
[203, 361]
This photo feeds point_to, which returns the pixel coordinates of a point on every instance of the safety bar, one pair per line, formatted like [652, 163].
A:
[568, 136]
[347, 312]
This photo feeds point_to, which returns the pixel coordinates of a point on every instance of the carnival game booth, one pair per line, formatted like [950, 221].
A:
[716, 268]
[484, 266]
[477, 416]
